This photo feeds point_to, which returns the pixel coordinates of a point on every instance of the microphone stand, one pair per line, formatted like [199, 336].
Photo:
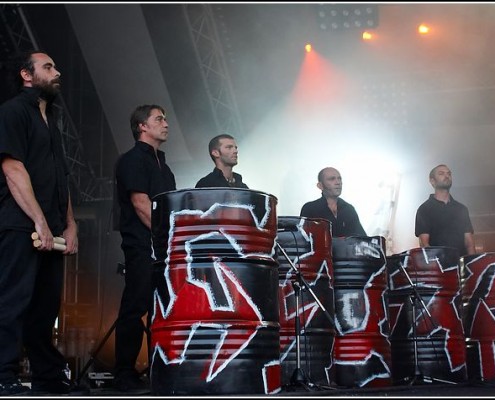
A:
[418, 375]
[299, 376]
[94, 353]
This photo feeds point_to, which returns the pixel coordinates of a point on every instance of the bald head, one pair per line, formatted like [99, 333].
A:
[326, 171]
[330, 182]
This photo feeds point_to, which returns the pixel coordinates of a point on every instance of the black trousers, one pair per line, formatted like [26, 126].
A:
[136, 301]
[30, 296]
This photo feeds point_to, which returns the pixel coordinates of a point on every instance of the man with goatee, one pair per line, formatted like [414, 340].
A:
[441, 220]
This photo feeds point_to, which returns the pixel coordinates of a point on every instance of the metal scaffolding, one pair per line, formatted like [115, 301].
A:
[16, 36]
[208, 49]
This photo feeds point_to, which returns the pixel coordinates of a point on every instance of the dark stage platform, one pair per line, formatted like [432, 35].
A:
[418, 390]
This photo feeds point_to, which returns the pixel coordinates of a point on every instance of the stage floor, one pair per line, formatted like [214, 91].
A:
[418, 390]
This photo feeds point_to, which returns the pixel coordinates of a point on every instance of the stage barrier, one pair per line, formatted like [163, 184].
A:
[478, 297]
[425, 310]
[362, 354]
[215, 327]
[307, 242]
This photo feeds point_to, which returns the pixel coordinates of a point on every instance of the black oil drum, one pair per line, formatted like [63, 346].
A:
[427, 336]
[478, 299]
[362, 355]
[307, 243]
[215, 327]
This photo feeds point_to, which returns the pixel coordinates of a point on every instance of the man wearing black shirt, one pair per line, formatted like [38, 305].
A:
[441, 220]
[223, 151]
[141, 174]
[342, 215]
[34, 197]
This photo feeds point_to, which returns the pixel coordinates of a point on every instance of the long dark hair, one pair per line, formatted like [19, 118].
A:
[11, 68]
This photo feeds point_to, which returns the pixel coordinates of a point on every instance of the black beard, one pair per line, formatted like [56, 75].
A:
[48, 91]
[444, 186]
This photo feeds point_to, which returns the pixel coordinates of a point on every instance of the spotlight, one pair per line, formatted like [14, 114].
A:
[308, 47]
[347, 16]
[367, 35]
[423, 29]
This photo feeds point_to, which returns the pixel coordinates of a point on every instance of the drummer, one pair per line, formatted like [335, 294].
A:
[342, 215]
[224, 153]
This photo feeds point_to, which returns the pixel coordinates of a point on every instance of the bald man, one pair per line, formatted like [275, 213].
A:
[342, 215]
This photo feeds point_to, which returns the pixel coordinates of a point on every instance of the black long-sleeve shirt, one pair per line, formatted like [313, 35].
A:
[345, 224]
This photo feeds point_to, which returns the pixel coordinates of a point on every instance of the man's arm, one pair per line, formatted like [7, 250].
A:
[352, 224]
[469, 243]
[424, 240]
[142, 205]
[70, 232]
[422, 227]
[357, 227]
[307, 211]
[20, 187]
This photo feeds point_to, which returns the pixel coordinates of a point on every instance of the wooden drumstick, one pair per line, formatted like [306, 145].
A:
[56, 246]
[56, 239]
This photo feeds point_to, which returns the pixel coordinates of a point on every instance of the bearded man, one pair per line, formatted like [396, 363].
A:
[441, 220]
[34, 197]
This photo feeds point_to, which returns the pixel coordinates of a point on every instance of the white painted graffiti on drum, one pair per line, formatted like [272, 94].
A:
[215, 326]
[425, 310]
[362, 355]
[478, 298]
[307, 242]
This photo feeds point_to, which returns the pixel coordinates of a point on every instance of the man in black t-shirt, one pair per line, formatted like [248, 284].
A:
[441, 220]
[141, 174]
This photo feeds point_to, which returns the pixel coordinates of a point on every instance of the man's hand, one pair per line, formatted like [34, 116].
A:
[71, 240]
